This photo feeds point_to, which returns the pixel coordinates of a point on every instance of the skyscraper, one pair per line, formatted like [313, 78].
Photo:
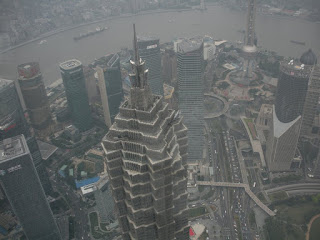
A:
[190, 82]
[19, 179]
[77, 96]
[313, 93]
[290, 98]
[149, 50]
[110, 85]
[146, 150]
[13, 123]
[12, 120]
[34, 95]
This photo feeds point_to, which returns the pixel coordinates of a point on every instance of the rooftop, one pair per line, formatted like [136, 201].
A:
[295, 68]
[146, 38]
[70, 64]
[189, 45]
[4, 82]
[13, 147]
[46, 149]
[28, 70]
[113, 60]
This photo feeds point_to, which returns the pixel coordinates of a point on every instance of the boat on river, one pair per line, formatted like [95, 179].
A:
[298, 42]
[90, 33]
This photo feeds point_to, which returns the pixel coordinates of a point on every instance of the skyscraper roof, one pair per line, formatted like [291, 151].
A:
[189, 45]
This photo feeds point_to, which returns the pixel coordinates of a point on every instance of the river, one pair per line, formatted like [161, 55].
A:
[274, 33]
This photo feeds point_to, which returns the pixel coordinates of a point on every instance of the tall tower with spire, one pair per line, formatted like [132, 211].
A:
[250, 49]
[250, 28]
[146, 156]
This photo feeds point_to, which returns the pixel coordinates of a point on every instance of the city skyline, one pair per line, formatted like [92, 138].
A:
[209, 129]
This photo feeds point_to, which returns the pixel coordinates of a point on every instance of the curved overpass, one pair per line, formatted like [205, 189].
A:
[309, 187]
[223, 111]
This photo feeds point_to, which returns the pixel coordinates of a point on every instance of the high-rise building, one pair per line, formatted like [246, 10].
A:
[149, 50]
[146, 151]
[169, 66]
[12, 120]
[290, 98]
[190, 85]
[313, 93]
[291, 91]
[110, 85]
[250, 49]
[13, 123]
[282, 143]
[209, 48]
[91, 85]
[77, 96]
[19, 179]
[34, 95]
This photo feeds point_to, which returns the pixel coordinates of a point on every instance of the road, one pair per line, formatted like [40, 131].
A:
[78, 208]
[234, 203]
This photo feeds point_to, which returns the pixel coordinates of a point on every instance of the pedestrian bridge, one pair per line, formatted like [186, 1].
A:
[240, 185]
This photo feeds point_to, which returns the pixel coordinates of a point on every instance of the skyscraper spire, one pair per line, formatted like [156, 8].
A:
[135, 45]
[140, 93]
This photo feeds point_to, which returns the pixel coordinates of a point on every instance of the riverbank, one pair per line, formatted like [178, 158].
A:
[57, 31]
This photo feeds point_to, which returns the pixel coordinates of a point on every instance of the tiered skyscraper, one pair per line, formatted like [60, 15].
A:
[13, 123]
[190, 80]
[110, 85]
[35, 96]
[146, 150]
[149, 51]
[77, 96]
[19, 179]
[290, 99]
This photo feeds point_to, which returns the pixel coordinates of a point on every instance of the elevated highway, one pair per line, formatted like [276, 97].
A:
[310, 187]
[240, 185]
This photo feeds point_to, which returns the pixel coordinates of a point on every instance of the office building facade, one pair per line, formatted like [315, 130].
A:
[13, 123]
[291, 91]
[313, 94]
[190, 85]
[12, 120]
[282, 144]
[77, 96]
[23, 189]
[146, 154]
[35, 96]
[110, 85]
[287, 115]
[149, 51]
